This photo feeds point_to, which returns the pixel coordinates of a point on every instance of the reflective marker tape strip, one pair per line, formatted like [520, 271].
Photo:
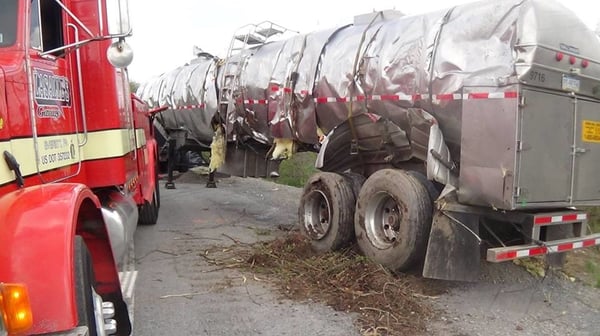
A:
[187, 107]
[541, 250]
[394, 97]
[255, 102]
[417, 97]
[588, 243]
[560, 219]
[522, 253]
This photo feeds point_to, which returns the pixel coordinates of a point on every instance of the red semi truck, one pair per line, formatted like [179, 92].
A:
[77, 171]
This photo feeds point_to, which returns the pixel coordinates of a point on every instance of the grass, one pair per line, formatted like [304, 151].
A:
[295, 171]
[594, 219]
[594, 269]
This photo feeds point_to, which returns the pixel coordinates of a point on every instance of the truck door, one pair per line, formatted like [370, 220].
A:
[55, 113]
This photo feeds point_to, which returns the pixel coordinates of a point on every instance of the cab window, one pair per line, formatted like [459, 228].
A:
[8, 22]
[46, 25]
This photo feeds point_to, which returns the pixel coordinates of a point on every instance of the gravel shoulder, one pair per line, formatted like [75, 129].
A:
[182, 290]
[508, 300]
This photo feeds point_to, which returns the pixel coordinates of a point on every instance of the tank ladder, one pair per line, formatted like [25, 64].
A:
[247, 37]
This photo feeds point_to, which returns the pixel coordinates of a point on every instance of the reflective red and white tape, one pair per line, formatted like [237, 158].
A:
[187, 107]
[362, 98]
[545, 220]
[504, 254]
[418, 97]
[395, 97]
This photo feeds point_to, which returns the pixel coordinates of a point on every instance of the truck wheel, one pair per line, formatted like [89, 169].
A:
[89, 303]
[149, 210]
[393, 219]
[326, 211]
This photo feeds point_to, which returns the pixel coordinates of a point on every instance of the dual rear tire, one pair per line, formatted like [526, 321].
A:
[389, 215]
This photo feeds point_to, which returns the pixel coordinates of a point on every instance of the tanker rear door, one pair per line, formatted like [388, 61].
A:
[558, 150]
[544, 148]
[587, 152]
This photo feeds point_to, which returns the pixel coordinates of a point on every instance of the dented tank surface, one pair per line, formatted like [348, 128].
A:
[287, 88]
[442, 67]
[190, 93]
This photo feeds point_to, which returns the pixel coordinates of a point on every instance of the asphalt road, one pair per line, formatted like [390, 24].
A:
[178, 292]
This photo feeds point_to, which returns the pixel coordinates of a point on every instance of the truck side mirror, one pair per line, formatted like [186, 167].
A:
[119, 54]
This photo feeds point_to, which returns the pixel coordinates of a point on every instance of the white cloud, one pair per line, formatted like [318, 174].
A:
[165, 32]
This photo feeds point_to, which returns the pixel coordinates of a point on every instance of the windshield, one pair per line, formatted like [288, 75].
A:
[8, 22]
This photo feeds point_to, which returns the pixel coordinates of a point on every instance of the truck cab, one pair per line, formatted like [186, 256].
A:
[77, 168]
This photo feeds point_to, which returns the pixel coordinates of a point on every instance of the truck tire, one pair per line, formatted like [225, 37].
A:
[89, 308]
[356, 182]
[326, 211]
[149, 210]
[433, 192]
[393, 219]
[157, 191]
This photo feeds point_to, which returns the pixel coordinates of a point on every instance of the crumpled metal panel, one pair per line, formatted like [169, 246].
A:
[335, 77]
[255, 88]
[303, 105]
[284, 75]
[436, 53]
[311, 84]
[190, 94]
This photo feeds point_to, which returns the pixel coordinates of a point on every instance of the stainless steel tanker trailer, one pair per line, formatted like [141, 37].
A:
[442, 138]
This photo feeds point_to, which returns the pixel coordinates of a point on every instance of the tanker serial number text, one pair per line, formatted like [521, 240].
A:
[537, 76]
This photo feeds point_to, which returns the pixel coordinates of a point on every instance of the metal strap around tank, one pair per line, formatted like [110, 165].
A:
[435, 45]
[354, 146]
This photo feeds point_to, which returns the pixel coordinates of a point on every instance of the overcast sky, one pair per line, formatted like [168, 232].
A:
[164, 32]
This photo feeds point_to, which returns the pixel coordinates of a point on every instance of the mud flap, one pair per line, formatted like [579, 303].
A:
[453, 252]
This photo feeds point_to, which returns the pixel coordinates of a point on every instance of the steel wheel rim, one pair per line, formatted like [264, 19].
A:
[383, 217]
[317, 215]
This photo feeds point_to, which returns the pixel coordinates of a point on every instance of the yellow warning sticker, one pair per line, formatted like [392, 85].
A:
[590, 131]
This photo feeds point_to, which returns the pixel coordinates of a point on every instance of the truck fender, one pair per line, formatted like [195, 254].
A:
[39, 224]
[362, 133]
[151, 166]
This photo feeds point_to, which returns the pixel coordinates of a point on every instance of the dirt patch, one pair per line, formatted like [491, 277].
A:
[385, 303]
[584, 265]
